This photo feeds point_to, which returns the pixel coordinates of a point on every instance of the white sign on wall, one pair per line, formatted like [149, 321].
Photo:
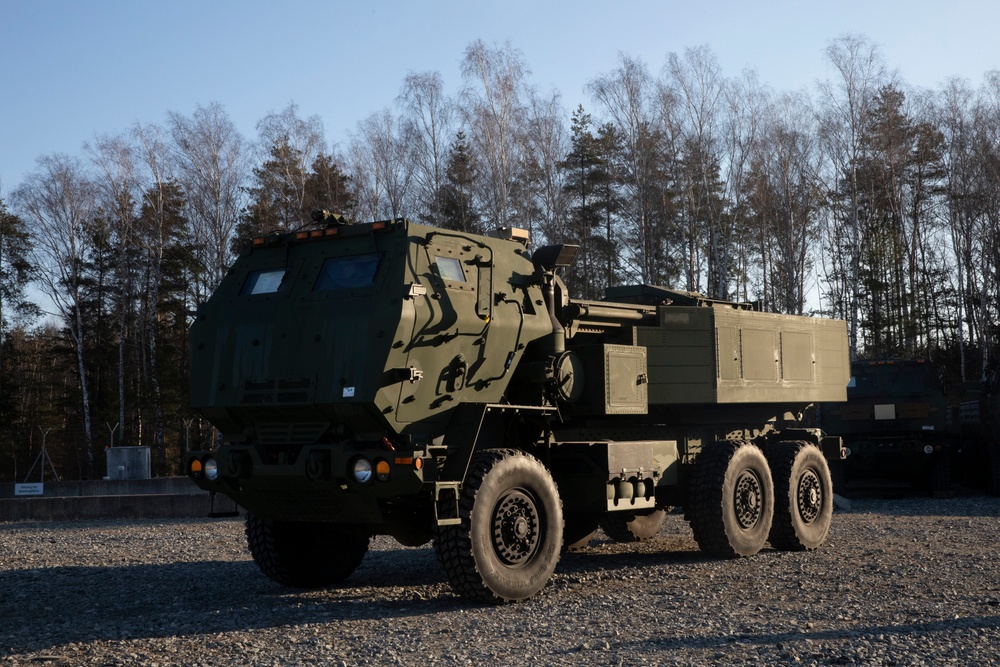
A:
[32, 489]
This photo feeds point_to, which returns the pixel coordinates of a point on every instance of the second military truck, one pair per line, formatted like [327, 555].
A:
[397, 379]
[894, 426]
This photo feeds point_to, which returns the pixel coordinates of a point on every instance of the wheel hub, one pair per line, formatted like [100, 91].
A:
[810, 496]
[748, 500]
[515, 528]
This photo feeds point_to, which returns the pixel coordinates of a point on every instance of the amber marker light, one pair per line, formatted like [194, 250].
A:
[382, 470]
[409, 461]
[195, 468]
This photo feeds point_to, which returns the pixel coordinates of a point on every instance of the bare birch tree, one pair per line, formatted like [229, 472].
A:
[427, 122]
[213, 163]
[381, 167]
[745, 104]
[785, 200]
[493, 109]
[59, 202]
[625, 95]
[987, 154]
[846, 109]
[119, 191]
[153, 239]
[699, 87]
[300, 141]
[546, 144]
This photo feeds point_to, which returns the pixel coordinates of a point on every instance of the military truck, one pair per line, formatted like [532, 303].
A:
[976, 420]
[398, 379]
[895, 427]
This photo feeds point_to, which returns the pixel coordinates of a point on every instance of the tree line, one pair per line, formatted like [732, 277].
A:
[867, 200]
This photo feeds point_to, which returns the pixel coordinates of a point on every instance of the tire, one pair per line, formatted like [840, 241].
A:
[732, 499]
[803, 496]
[632, 527]
[579, 530]
[303, 554]
[508, 542]
[939, 475]
[994, 465]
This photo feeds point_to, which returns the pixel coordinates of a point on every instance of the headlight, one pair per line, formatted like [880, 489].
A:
[362, 470]
[928, 449]
[211, 469]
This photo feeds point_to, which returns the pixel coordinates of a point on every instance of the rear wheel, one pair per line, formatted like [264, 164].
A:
[511, 532]
[304, 554]
[632, 527]
[803, 492]
[578, 530]
[732, 498]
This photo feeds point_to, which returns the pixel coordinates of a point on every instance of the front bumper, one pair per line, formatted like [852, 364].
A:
[313, 483]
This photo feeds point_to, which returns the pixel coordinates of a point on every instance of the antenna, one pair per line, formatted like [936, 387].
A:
[43, 456]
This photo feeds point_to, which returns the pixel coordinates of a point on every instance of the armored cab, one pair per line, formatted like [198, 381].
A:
[393, 378]
[894, 426]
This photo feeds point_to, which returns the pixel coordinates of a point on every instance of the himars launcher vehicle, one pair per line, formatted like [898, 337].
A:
[392, 378]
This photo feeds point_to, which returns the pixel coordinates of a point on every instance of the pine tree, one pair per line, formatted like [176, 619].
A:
[328, 188]
[586, 172]
[458, 210]
[276, 197]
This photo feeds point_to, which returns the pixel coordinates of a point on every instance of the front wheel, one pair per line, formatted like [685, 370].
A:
[509, 539]
[303, 554]
[803, 491]
[732, 498]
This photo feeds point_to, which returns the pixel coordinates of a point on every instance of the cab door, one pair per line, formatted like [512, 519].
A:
[451, 310]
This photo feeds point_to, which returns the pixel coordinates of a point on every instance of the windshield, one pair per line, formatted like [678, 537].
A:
[347, 272]
[267, 281]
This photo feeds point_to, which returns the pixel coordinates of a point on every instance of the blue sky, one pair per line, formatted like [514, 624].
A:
[70, 71]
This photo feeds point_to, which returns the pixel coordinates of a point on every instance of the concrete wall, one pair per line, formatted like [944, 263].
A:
[113, 487]
[167, 497]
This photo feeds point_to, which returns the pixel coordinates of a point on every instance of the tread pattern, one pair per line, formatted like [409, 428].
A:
[706, 499]
[713, 504]
[782, 457]
[453, 544]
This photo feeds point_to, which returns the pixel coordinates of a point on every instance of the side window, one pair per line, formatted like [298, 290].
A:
[348, 272]
[450, 269]
[266, 281]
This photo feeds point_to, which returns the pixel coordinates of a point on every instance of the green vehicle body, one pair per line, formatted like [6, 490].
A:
[375, 378]
[895, 425]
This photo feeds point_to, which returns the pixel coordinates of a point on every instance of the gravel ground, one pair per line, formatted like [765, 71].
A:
[899, 582]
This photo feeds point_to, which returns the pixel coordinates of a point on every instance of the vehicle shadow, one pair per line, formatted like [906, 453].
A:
[49, 607]
[968, 505]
